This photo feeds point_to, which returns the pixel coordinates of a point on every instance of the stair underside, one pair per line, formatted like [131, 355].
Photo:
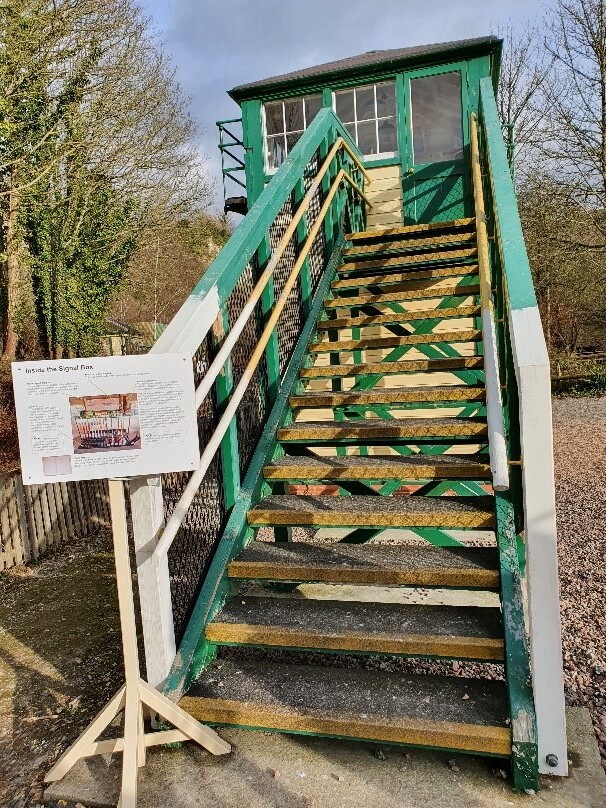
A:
[369, 564]
[354, 703]
[371, 511]
[464, 632]
[402, 395]
[376, 468]
[398, 317]
[386, 367]
[381, 430]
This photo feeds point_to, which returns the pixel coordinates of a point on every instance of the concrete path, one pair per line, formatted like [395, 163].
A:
[279, 771]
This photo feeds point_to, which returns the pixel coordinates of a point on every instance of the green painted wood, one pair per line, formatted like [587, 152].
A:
[516, 267]
[230, 460]
[524, 757]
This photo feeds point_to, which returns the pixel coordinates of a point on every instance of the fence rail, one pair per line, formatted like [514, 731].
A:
[36, 518]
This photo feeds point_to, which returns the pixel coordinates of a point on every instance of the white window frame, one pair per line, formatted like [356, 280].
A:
[268, 169]
[380, 155]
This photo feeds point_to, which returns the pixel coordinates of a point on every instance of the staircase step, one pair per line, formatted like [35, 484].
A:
[398, 317]
[404, 277]
[378, 429]
[434, 241]
[437, 711]
[384, 368]
[464, 335]
[402, 395]
[351, 467]
[428, 293]
[410, 229]
[411, 259]
[374, 511]
[463, 632]
[369, 564]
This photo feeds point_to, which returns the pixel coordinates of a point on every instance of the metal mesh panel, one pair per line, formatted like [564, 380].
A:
[193, 547]
[317, 254]
[252, 411]
[290, 322]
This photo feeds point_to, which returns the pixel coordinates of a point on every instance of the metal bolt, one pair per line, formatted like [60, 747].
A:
[551, 760]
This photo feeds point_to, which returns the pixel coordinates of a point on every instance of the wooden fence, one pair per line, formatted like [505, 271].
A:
[35, 518]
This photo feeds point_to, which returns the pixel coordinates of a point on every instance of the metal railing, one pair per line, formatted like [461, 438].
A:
[240, 325]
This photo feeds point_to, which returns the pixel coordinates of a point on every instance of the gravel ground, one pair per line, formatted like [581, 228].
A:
[50, 688]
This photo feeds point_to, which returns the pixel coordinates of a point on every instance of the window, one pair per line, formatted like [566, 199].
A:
[369, 115]
[285, 122]
[437, 121]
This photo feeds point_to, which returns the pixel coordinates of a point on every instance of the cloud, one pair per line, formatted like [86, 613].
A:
[217, 45]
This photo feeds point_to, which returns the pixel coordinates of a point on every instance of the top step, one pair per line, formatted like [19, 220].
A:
[405, 230]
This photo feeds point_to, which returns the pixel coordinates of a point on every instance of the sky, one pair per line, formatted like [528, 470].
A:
[218, 44]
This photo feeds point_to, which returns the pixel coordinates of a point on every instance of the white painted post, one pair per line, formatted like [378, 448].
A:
[534, 390]
[147, 508]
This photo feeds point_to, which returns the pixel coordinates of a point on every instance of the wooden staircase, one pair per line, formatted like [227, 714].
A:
[380, 479]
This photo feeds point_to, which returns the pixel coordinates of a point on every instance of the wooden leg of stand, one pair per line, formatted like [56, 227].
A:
[141, 737]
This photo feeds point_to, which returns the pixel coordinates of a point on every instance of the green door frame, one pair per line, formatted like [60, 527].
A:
[437, 171]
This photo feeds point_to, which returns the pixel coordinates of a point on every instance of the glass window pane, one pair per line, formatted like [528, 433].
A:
[293, 114]
[274, 122]
[313, 104]
[365, 103]
[387, 136]
[351, 128]
[344, 104]
[386, 99]
[276, 151]
[437, 131]
[291, 139]
[367, 137]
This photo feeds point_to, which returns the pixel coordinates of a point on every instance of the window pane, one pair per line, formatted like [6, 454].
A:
[367, 137]
[313, 104]
[273, 118]
[386, 100]
[345, 105]
[437, 132]
[387, 136]
[276, 151]
[365, 103]
[351, 128]
[293, 114]
[291, 139]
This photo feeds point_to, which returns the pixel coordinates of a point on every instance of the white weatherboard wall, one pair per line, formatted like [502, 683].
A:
[385, 195]
[534, 389]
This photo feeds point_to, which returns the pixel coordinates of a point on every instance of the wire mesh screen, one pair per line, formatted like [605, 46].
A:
[252, 410]
[194, 545]
[290, 322]
[317, 254]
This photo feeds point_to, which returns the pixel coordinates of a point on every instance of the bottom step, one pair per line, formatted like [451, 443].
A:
[453, 713]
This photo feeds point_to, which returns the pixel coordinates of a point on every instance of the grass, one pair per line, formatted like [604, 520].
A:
[577, 376]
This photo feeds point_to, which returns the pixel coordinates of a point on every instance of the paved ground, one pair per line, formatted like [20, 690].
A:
[279, 771]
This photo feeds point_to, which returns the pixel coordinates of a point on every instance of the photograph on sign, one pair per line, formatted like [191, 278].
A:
[102, 417]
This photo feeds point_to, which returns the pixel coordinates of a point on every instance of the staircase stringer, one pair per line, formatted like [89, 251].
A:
[195, 653]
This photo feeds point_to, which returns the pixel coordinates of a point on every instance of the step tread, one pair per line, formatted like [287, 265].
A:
[372, 564]
[411, 228]
[405, 366]
[377, 467]
[399, 395]
[411, 259]
[382, 428]
[451, 290]
[462, 335]
[401, 708]
[391, 628]
[398, 317]
[394, 245]
[405, 277]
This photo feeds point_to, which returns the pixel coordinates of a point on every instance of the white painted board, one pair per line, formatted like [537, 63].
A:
[110, 416]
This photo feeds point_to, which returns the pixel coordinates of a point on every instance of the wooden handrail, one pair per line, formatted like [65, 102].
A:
[178, 515]
[497, 445]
